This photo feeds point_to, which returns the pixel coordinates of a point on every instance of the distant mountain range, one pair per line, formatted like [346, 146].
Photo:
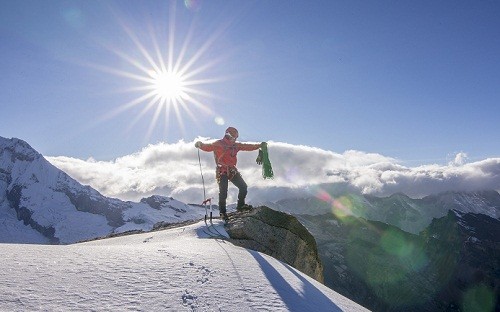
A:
[452, 265]
[438, 253]
[410, 215]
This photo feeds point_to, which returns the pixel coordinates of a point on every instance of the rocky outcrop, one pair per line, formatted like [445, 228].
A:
[279, 235]
[159, 202]
[25, 215]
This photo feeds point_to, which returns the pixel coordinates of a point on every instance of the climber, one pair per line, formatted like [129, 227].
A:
[225, 151]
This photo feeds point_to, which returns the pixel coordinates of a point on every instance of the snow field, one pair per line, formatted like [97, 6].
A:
[179, 269]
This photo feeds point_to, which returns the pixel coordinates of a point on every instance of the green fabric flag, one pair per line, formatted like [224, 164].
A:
[267, 169]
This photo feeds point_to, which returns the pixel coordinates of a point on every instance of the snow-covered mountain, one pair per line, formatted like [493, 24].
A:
[180, 269]
[41, 204]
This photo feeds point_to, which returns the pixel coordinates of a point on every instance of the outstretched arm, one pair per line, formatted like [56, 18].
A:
[249, 147]
[204, 147]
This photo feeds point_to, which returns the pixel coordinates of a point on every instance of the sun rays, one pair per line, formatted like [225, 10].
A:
[168, 81]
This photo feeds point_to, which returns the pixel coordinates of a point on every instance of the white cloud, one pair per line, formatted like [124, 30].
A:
[459, 160]
[174, 170]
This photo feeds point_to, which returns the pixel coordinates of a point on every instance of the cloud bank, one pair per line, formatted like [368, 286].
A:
[174, 170]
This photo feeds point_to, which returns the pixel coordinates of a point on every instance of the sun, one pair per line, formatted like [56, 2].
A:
[168, 85]
[168, 79]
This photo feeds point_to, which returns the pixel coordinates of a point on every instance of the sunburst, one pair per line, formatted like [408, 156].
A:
[166, 82]
[169, 86]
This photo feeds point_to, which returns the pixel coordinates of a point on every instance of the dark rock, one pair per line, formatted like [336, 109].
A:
[85, 202]
[279, 235]
[24, 214]
[158, 202]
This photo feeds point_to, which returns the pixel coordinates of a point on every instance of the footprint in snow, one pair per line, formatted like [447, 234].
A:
[147, 240]
[189, 300]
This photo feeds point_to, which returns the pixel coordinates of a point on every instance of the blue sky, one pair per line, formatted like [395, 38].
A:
[413, 80]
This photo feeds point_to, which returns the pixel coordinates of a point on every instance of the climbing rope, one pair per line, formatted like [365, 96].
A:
[267, 169]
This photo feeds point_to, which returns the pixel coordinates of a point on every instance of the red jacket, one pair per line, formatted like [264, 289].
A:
[225, 151]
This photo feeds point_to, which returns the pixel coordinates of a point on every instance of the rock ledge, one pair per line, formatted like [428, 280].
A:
[279, 235]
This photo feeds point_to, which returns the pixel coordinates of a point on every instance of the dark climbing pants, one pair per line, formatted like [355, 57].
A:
[238, 181]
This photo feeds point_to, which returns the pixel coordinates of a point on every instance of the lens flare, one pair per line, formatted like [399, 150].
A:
[219, 120]
[343, 206]
[385, 258]
[479, 298]
[193, 5]
[394, 242]
[348, 206]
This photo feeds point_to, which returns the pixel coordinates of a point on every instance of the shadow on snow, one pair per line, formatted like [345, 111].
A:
[310, 299]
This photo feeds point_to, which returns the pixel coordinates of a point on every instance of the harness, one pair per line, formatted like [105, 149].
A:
[222, 169]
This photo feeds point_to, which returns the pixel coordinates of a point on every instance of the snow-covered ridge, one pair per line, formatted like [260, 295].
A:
[486, 202]
[180, 269]
[55, 208]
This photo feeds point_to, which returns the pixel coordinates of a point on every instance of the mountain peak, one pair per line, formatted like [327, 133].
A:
[40, 203]
[19, 149]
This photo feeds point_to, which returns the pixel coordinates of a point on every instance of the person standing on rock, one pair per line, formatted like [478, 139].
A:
[225, 151]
